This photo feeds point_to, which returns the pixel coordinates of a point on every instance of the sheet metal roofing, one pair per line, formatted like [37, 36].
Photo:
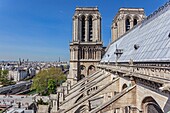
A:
[152, 37]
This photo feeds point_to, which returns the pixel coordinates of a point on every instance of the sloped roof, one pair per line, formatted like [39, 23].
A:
[152, 36]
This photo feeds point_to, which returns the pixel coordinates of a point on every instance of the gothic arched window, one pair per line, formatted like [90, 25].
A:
[90, 54]
[135, 22]
[127, 24]
[83, 29]
[82, 53]
[90, 29]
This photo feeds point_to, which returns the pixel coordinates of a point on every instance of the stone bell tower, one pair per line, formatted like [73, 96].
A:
[86, 46]
[125, 19]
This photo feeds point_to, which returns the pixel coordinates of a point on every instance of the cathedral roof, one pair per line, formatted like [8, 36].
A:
[146, 42]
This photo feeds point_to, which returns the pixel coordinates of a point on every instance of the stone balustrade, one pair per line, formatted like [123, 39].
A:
[162, 73]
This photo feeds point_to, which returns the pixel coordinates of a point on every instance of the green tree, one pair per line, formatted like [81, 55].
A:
[46, 81]
[4, 77]
[51, 86]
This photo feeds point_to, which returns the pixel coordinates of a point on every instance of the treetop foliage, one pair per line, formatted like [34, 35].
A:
[4, 77]
[46, 81]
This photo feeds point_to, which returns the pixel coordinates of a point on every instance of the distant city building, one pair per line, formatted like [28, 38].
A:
[18, 74]
[18, 71]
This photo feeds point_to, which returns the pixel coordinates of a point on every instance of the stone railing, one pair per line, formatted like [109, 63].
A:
[162, 73]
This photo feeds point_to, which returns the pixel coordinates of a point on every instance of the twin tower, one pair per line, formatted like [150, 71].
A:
[86, 48]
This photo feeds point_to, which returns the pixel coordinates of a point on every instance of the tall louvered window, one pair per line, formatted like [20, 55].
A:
[90, 29]
[127, 24]
[135, 22]
[83, 29]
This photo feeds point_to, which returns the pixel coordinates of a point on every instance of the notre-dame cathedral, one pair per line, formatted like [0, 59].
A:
[86, 48]
[132, 76]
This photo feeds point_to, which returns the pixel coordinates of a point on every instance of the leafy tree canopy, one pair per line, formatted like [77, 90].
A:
[46, 81]
[4, 77]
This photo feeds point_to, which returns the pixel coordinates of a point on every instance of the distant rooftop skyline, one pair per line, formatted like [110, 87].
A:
[40, 30]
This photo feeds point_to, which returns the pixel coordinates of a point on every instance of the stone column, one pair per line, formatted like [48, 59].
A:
[94, 54]
[76, 29]
[114, 31]
[86, 28]
[94, 27]
[100, 54]
[122, 22]
[73, 32]
[87, 54]
[98, 34]
[131, 23]
[97, 54]
[71, 54]
[80, 29]
[118, 23]
[76, 51]
[133, 82]
[124, 25]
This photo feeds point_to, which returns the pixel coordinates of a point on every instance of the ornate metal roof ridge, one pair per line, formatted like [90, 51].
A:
[160, 9]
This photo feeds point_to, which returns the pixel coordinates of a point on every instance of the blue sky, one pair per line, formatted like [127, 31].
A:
[41, 29]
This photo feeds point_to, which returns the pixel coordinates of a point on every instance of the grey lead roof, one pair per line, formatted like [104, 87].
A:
[152, 37]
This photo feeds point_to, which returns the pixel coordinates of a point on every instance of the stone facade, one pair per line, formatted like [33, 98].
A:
[126, 19]
[123, 86]
[86, 46]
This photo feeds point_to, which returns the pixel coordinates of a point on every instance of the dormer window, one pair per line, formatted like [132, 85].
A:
[136, 46]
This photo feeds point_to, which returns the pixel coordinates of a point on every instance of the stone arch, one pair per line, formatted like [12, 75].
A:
[149, 105]
[90, 53]
[91, 70]
[82, 67]
[82, 72]
[82, 109]
[136, 19]
[81, 76]
[90, 16]
[124, 86]
[81, 16]
[79, 98]
[128, 19]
